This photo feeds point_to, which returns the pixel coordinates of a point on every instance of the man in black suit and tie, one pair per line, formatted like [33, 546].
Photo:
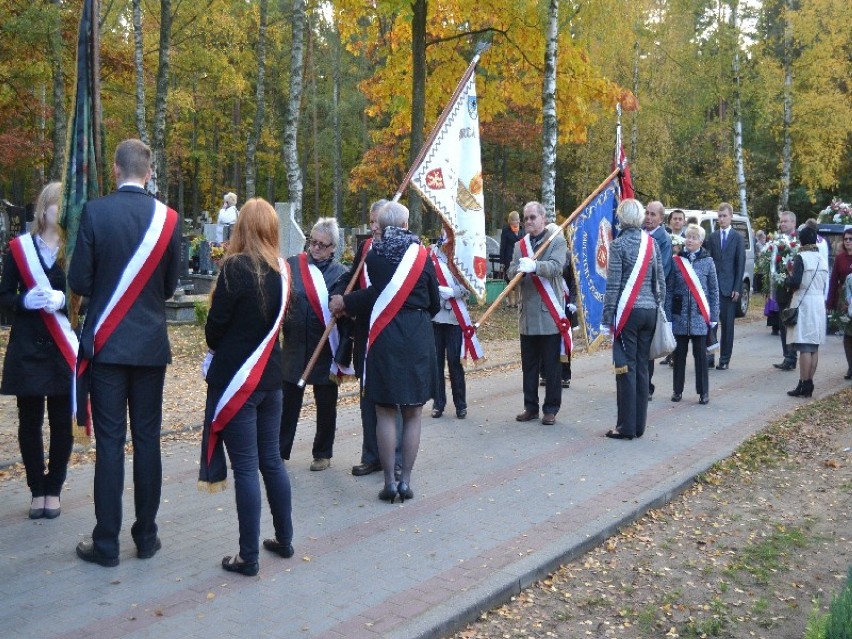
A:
[727, 249]
[126, 261]
[654, 215]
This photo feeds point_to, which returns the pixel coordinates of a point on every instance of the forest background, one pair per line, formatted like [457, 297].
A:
[325, 103]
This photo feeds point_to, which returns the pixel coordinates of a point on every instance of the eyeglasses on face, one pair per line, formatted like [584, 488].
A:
[530, 218]
[317, 244]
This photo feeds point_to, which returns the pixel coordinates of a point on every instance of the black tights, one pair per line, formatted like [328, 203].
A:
[386, 436]
[30, 421]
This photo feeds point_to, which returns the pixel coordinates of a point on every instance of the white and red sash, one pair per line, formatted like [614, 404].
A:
[470, 341]
[246, 378]
[136, 274]
[553, 303]
[364, 278]
[634, 282]
[317, 293]
[32, 272]
[694, 286]
[393, 296]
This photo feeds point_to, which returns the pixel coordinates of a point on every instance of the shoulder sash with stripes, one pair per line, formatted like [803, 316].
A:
[133, 279]
[634, 282]
[32, 272]
[554, 303]
[364, 277]
[393, 296]
[694, 286]
[247, 377]
[317, 293]
[470, 341]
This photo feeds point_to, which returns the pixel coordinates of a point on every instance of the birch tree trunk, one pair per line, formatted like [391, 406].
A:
[60, 117]
[158, 146]
[260, 101]
[787, 154]
[418, 105]
[738, 119]
[141, 124]
[548, 107]
[312, 65]
[337, 155]
[291, 125]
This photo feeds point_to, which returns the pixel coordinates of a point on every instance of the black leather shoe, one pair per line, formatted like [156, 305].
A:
[284, 550]
[785, 365]
[366, 469]
[247, 568]
[461, 413]
[848, 374]
[614, 434]
[149, 552]
[723, 366]
[676, 397]
[86, 551]
[704, 399]
[437, 412]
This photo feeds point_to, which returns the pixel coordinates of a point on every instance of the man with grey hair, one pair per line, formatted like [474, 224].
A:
[543, 331]
[361, 327]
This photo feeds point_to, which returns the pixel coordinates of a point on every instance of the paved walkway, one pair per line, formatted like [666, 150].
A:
[498, 504]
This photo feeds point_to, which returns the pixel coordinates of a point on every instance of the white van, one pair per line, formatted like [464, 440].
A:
[742, 224]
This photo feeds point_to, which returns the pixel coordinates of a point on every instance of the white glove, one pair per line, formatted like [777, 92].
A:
[604, 330]
[56, 300]
[36, 298]
[446, 292]
[526, 265]
[572, 308]
[205, 365]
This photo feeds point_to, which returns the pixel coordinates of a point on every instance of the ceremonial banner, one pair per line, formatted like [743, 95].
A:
[80, 179]
[589, 236]
[449, 179]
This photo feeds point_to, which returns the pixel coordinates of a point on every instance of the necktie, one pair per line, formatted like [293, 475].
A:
[724, 238]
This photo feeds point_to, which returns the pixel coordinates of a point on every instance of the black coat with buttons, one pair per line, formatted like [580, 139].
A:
[34, 365]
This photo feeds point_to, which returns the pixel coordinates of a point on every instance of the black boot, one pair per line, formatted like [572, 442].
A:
[798, 391]
[808, 388]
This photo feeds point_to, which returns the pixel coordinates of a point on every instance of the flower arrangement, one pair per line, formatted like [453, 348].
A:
[838, 212]
[678, 242]
[783, 249]
[218, 250]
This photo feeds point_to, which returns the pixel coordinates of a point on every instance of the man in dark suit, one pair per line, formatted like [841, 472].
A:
[783, 296]
[727, 248]
[654, 215]
[126, 261]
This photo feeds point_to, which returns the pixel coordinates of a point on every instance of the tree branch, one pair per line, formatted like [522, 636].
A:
[466, 34]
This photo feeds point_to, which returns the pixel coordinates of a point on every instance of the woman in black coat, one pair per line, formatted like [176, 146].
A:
[509, 236]
[302, 330]
[35, 368]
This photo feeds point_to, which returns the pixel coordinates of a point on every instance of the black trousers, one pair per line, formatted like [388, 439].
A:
[30, 421]
[791, 356]
[631, 349]
[699, 358]
[727, 312]
[448, 343]
[325, 397]
[540, 356]
[115, 391]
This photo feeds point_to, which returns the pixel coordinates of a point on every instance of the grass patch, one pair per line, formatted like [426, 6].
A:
[768, 556]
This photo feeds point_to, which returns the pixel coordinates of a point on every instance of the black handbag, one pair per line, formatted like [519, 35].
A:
[790, 316]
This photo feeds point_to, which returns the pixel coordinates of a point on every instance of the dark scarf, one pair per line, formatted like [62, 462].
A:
[320, 265]
[395, 241]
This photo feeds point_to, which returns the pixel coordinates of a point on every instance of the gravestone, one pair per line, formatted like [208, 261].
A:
[290, 233]
[184, 256]
[214, 233]
[205, 263]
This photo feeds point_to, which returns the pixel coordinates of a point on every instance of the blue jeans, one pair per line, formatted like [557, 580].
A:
[251, 439]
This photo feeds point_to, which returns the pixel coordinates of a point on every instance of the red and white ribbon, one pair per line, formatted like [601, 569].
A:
[470, 341]
[634, 282]
[29, 265]
[694, 286]
[553, 303]
[317, 293]
[245, 380]
[393, 296]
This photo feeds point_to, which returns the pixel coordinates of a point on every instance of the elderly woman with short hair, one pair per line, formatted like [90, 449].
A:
[314, 272]
[635, 287]
[692, 304]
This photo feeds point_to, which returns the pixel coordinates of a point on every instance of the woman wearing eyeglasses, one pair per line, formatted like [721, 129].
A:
[836, 302]
[313, 274]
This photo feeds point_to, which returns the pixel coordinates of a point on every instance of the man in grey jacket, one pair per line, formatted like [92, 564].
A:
[540, 334]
